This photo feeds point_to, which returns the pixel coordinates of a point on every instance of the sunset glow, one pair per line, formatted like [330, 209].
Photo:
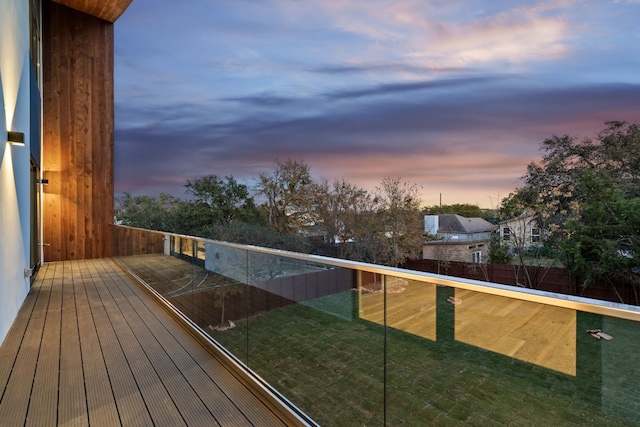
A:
[455, 96]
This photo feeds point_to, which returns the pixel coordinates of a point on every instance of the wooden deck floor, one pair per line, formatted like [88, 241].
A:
[90, 347]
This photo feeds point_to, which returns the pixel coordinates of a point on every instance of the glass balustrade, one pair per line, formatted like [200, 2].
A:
[358, 344]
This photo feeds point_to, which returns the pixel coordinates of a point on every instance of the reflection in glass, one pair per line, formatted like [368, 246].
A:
[187, 247]
[200, 250]
[371, 297]
[317, 334]
[410, 305]
[537, 333]
[620, 368]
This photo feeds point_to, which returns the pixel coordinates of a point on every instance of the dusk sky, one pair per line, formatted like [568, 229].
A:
[455, 96]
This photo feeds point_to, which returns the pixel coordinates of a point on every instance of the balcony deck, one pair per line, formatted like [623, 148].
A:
[90, 347]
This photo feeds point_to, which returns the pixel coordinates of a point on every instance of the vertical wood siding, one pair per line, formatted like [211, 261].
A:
[134, 241]
[78, 134]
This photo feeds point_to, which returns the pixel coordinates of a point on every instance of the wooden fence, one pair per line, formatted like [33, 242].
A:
[557, 280]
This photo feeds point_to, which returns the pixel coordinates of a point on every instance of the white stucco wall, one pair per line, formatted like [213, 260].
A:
[14, 160]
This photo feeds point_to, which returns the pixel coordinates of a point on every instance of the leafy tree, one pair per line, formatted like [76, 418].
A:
[463, 209]
[223, 200]
[289, 193]
[151, 213]
[498, 254]
[603, 244]
[257, 235]
[584, 192]
[556, 181]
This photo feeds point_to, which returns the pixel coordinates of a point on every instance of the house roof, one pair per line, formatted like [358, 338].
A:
[109, 10]
[525, 215]
[459, 224]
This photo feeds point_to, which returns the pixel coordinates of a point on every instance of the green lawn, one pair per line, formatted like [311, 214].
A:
[331, 365]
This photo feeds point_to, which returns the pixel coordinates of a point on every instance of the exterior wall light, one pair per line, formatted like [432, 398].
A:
[15, 138]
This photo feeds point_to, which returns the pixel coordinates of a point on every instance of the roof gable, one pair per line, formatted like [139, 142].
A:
[459, 224]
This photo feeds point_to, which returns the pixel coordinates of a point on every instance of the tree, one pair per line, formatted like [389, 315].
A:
[288, 191]
[389, 230]
[463, 209]
[556, 181]
[151, 213]
[337, 206]
[584, 192]
[365, 240]
[223, 200]
[498, 254]
[399, 205]
[604, 244]
[257, 235]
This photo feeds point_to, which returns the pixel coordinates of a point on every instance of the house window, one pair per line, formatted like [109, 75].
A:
[506, 234]
[535, 235]
[477, 257]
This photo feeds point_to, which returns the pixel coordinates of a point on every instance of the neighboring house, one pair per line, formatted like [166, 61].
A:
[56, 128]
[521, 232]
[457, 238]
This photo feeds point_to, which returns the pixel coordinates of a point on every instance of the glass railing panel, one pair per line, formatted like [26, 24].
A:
[411, 306]
[371, 294]
[404, 304]
[200, 248]
[175, 244]
[172, 277]
[469, 377]
[616, 346]
[228, 301]
[305, 338]
[366, 345]
[186, 247]
[532, 332]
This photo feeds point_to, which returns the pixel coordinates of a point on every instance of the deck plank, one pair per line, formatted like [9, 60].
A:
[101, 406]
[157, 400]
[72, 410]
[200, 355]
[231, 405]
[43, 408]
[14, 404]
[186, 400]
[11, 345]
[90, 347]
[128, 398]
[197, 373]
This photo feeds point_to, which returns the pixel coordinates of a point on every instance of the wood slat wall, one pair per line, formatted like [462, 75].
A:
[78, 134]
[134, 241]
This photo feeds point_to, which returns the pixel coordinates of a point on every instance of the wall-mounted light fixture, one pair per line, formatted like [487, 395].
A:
[15, 138]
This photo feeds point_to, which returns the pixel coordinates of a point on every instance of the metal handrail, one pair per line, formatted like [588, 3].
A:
[589, 305]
